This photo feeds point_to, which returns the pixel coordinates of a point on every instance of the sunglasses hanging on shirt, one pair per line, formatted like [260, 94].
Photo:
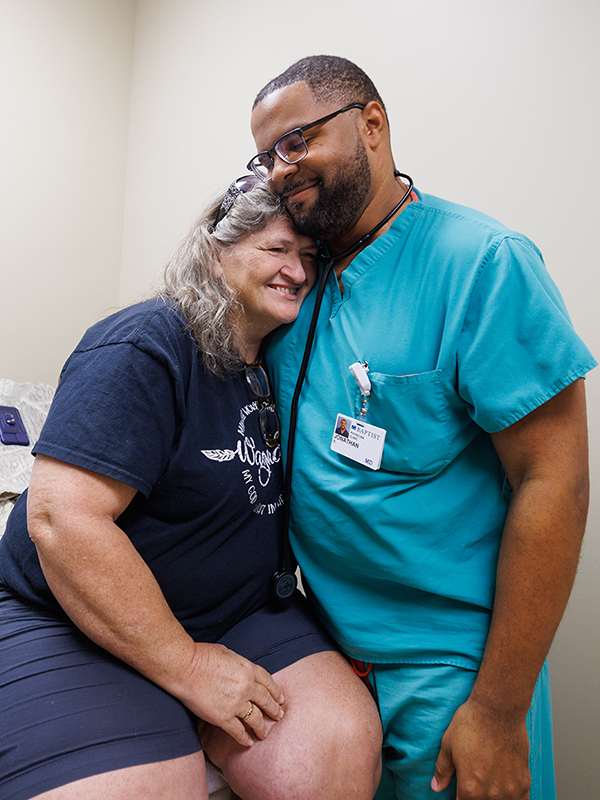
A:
[268, 420]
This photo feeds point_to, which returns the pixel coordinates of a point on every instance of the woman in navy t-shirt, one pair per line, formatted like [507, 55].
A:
[135, 574]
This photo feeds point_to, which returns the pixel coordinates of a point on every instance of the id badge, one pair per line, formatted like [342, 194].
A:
[358, 441]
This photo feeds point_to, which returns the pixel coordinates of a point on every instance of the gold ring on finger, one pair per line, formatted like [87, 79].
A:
[249, 712]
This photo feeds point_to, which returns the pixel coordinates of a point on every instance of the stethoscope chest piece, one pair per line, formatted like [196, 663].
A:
[284, 584]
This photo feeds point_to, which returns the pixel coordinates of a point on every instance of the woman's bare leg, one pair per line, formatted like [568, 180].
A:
[327, 746]
[182, 778]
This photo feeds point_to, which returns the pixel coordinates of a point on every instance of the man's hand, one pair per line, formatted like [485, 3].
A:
[489, 753]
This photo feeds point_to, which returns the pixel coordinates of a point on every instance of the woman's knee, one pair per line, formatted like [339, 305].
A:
[352, 746]
[339, 759]
[349, 720]
[327, 747]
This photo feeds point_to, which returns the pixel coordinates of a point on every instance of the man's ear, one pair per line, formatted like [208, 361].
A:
[375, 123]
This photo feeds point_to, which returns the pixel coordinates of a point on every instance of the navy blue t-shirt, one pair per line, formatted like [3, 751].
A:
[136, 403]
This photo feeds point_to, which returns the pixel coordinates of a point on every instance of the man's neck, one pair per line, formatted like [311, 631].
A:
[383, 201]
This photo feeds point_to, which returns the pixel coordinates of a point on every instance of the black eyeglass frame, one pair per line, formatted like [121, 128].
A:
[272, 440]
[299, 131]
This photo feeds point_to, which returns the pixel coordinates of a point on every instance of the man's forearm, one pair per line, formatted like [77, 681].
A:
[545, 456]
[536, 569]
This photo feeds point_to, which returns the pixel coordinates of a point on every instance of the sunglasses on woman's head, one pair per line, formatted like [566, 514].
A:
[240, 186]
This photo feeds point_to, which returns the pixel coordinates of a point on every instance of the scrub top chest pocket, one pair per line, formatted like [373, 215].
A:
[413, 411]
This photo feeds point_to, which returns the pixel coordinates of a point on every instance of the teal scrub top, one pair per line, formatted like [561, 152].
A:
[464, 333]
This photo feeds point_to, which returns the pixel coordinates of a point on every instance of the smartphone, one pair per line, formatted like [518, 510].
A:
[12, 430]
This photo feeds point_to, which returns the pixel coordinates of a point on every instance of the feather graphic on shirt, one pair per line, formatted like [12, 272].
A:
[219, 455]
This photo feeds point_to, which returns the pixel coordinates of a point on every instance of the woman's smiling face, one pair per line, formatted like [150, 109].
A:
[271, 272]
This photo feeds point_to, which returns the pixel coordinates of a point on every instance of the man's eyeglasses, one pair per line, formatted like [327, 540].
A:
[240, 186]
[267, 416]
[291, 147]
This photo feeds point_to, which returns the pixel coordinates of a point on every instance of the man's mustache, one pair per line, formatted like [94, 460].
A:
[292, 186]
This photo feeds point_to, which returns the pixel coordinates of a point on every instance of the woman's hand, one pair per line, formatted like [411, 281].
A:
[223, 687]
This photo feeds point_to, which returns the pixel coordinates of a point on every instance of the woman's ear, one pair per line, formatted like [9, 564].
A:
[218, 252]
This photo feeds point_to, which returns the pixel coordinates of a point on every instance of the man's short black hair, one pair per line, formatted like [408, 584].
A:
[328, 78]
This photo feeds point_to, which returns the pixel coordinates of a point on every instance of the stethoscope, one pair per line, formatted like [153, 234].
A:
[284, 580]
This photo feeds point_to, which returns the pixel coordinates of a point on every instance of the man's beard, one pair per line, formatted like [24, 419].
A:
[338, 206]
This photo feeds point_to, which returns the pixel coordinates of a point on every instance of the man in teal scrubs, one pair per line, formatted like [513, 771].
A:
[446, 570]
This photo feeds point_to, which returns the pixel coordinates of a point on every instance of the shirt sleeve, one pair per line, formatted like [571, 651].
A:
[114, 413]
[517, 347]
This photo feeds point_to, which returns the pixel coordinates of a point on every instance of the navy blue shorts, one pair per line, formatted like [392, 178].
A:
[68, 709]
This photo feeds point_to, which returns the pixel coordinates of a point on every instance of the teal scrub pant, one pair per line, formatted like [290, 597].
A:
[417, 702]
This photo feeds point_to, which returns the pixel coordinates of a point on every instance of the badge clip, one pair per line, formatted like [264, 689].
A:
[359, 372]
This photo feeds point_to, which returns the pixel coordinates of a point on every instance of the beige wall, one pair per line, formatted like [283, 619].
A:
[493, 104]
[65, 74]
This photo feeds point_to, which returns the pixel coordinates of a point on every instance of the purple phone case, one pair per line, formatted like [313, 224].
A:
[12, 430]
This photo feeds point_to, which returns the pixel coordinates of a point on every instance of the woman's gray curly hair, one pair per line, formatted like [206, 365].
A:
[208, 304]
